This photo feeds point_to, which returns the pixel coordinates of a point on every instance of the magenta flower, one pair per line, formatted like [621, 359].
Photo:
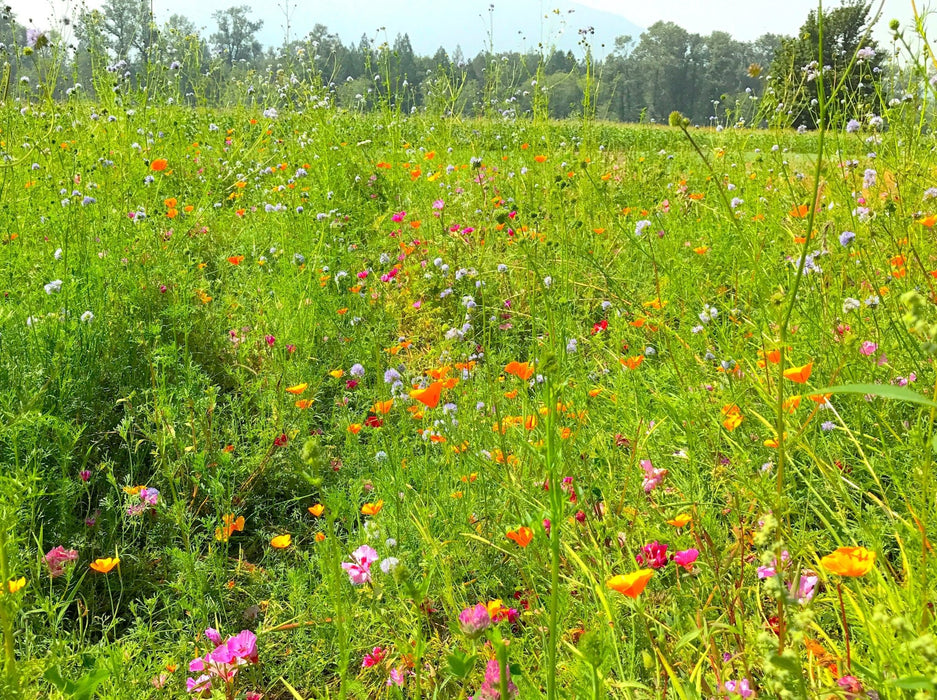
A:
[270, 340]
[213, 636]
[395, 678]
[474, 621]
[374, 658]
[654, 555]
[359, 570]
[243, 646]
[85, 474]
[399, 216]
[686, 558]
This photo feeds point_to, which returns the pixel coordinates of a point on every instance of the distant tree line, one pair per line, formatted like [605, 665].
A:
[710, 79]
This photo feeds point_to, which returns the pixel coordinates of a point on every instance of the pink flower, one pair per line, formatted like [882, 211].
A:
[738, 688]
[149, 496]
[807, 586]
[654, 555]
[652, 476]
[374, 658]
[474, 621]
[85, 474]
[868, 348]
[57, 558]
[200, 685]
[270, 340]
[213, 636]
[243, 646]
[399, 216]
[395, 678]
[359, 570]
[686, 558]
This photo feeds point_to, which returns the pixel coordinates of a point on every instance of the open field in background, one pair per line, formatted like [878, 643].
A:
[390, 403]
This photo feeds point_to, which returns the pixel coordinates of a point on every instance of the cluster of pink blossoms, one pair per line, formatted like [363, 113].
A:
[57, 558]
[223, 662]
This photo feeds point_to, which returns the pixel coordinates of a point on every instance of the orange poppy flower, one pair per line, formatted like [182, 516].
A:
[540, 159]
[849, 561]
[354, 428]
[303, 404]
[281, 541]
[383, 406]
[631, 585]
[297, 389]
[429, 396]
[632, 362]
[320, 536]
[522, 370]
[522, 535]
[372, 508]
[316, 510]
[159, 165]
[800, 375]
[799, 212]
[231, 525]
[337, 373]
[928, 221]
[681, 520]
[236, 259]
[105, 564]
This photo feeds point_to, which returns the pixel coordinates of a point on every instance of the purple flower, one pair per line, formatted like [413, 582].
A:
[149, 496]
[738, 688]
[853, 126]
[846, 237]
[356, 370]
[474, 621]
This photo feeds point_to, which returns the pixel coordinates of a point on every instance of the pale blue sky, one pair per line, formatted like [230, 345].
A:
[744, 19]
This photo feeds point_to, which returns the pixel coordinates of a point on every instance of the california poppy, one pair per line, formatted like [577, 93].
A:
[281, 541]
[522, 370]
[849, 561]
[104, 565]
[632, 362]
[428, 396]
[681, 520]
[372, 508]
[522, 535]
[236, 259]
[316, 510]
[800, 375]
[297, 389]
[799, 212]
[631, 585]
[159, 165]
[382, 406]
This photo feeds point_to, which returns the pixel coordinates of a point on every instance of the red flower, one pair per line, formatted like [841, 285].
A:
[280, 440]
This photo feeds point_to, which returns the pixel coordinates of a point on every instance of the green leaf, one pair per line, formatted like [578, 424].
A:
[885, 391]
[460, 663]
[914, 683]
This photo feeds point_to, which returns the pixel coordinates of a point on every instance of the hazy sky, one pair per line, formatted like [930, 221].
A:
[744, 19]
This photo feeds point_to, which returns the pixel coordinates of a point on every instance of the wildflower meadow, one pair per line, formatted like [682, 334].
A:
[303, 401]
